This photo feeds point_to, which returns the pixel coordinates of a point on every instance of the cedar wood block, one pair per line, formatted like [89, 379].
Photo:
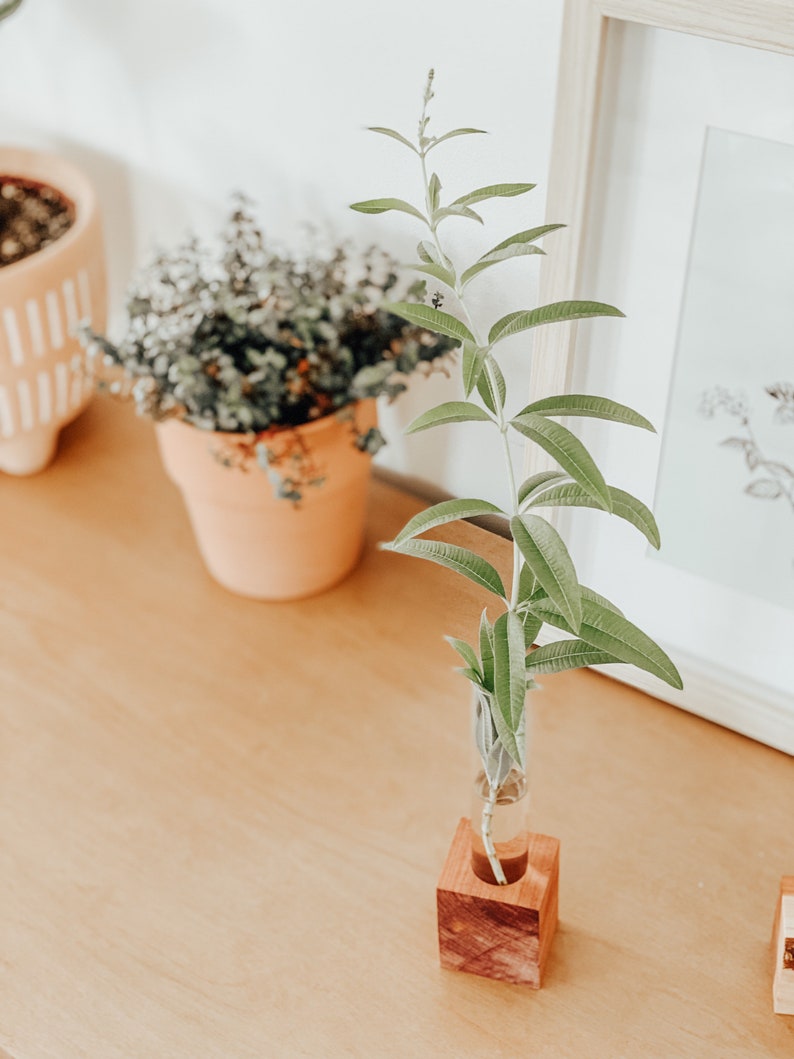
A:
[501, 932]
[783, 948]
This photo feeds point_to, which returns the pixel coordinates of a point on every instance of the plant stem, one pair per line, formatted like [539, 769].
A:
[487, 837]
[502, 424]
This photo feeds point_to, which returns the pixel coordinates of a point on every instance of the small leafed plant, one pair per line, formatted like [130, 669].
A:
[545, 589]
[254, 343]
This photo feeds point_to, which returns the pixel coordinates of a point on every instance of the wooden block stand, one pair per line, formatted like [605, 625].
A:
[783, 945]
[501, 932]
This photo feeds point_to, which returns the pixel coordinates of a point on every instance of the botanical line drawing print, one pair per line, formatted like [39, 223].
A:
[771, 479]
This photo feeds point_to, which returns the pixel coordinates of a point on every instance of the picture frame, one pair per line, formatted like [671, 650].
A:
[596, 35]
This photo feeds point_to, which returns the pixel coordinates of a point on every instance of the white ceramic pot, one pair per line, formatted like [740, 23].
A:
[43, 382]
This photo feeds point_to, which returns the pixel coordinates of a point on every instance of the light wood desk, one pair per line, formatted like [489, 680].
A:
[222, 821]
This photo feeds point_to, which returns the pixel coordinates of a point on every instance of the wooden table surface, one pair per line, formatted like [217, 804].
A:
[222, 821]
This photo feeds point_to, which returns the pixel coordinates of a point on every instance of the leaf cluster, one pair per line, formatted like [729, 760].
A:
[244, 339]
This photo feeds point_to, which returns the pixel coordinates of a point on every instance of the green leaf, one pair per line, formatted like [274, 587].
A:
[434, 192]
[609, 631]
[449, 412]
[456, 211]
[439, 514]
[473, 364]
[470, 674]
[569, 453]
[575, 404]
[503, 255]
[384, 205]
[394, 135]
[433, 319]
[493, 398]
[527, 583]
[596, 597]
[566, 654]
[532, 626]
[486, 650]
[537, 481]
[493, 191]
[429, 253]
[528, 236]
[466, 652]
[437, 271]
[548, 558]
[624, 505]
[449, 135]
[557, 312]
[510, 682]
[461, 560]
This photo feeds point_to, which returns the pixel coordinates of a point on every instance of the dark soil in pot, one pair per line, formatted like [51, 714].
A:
[32, 216]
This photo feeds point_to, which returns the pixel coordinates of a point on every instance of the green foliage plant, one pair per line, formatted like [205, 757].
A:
[252, 343]
[545, 589]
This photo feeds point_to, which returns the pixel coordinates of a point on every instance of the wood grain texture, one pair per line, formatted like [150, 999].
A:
[222, 822]
[499, 932]
[783, 949]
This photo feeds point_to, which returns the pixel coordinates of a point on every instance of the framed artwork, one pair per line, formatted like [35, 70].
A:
[673, 164]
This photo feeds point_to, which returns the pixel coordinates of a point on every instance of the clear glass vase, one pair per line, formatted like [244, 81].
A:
[500, 802]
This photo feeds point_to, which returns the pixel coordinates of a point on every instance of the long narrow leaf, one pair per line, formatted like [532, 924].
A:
[491, 385]
[566, 654]
[546, 555]
[596, 597]
[434, 191]
[394, 136]
[493, 191]
[384, 205]
[576, 404]
[608, 631]
[461, 560]
[528, 236]
[486, 650]
[440, 514]
[569, 453]
[428, 252]
[503, 255]
[433, 319]
[437, 272]
[472, 366]
[536, 482]
[557, 312]
[466, 652]
[624, 505]
[456, 211]
[450, 135]
[510, 682]
[449, 412]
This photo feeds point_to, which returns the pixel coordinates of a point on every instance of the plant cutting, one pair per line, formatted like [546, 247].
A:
[500, 663]
[261, 371]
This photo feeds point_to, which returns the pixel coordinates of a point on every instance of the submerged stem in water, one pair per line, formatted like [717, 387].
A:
[487, 836]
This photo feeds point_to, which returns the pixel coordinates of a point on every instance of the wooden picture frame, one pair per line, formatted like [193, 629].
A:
[766, 714]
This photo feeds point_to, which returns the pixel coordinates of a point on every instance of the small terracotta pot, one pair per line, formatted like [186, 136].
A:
[259, 545]
[43, 384]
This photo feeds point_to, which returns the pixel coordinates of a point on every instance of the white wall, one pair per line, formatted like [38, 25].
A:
[171, 104]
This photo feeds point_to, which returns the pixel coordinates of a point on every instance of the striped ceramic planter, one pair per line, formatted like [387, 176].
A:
[43, 383]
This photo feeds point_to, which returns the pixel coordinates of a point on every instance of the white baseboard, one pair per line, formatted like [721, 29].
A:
[727, 698]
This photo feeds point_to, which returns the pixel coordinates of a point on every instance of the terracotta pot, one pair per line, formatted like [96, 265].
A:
[254, 543]
[42, 298]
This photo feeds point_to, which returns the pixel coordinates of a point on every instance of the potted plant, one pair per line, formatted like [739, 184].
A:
[52, 275]
[261, 371]
[500, 662]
